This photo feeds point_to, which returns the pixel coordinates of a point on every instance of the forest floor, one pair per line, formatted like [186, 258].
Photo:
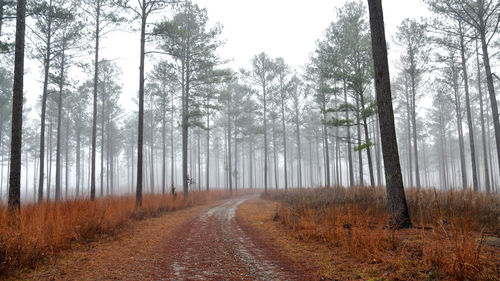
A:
[320, 260]
[200, 243]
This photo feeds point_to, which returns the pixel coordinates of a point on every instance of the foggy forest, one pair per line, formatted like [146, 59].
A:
[377, 158]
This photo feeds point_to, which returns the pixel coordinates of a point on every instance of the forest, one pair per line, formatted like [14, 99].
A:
[335, 145]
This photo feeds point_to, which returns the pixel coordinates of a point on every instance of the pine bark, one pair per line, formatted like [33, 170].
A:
[14, 202]
[398, 209]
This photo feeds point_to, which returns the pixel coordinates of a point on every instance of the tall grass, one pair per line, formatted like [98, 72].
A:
[45, 229]
[446, 240]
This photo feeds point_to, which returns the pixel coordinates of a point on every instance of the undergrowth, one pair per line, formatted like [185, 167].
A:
[447, 240]
[45, 229]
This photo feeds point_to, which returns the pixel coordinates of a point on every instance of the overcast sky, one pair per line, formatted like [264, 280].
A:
[286, 28]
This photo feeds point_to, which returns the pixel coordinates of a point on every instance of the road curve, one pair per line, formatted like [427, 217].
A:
[212, 246]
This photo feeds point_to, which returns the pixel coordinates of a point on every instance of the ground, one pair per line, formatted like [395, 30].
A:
[232, 239]
[202, 243]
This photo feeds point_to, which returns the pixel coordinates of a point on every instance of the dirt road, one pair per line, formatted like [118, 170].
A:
[213, 246]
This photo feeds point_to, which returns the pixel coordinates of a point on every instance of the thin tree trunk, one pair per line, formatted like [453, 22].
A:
[265, 136]
[207, 151]
[349, 146]
[59, 114]
[78, 167]
[483, 131]
[458, 111]
[414, 124]
[44, 103]
[327, 154]
[367, 141]
[469, 114]
[102, 141]
[299, 154]
[94, 110]
[66, 161]
[360, 155]
[276, 182]
[230, 168]
[49, 176]
[408, 128]
[284, 132]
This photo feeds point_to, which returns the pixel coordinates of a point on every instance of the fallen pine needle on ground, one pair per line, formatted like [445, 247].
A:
[342, 244]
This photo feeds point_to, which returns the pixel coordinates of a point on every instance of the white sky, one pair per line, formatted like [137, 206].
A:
[286, 28]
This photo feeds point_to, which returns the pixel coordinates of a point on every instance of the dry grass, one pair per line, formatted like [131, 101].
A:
[45, 229]
[446, 242]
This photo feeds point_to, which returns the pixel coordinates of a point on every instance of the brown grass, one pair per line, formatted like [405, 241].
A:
[445, 243]
[45, 229]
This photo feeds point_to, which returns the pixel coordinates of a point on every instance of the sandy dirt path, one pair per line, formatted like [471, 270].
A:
[213, 246]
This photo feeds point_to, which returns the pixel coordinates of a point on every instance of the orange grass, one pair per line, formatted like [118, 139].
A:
[446, 242]
[47, 228]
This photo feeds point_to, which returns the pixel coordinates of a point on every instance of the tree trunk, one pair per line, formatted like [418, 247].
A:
[458, 112]
[265, 137]
[276, 182]
[469, 114]
[163, 141]
[140, 130]
[78, 167]
[151, 148]
[398, 209]
[367, 141]
[207, 151]
[408, 125]
[172, 154]
[299, 154]
[229, 168]
[66, 161]
[103, 105]
[14, 202]
[327, 154]
[360, 151]
[349, 146]
[59, 119]
[49, 164]
[483, 131]
[284, 132]
[94, 110]
[44, 103]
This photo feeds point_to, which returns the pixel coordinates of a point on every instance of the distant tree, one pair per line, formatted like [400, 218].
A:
[281, 73]
[450, 80]
[358, 73]
[484, 18]
[323, 92]
[65, 41]
[262, 75]
[412, 36]
[14, 203]
[78, 109]
[164, 84]
[141, 11]
[294, 88]
[103, 15]
[110, 89]
[6, 80]
[50, 19]
[189, 41]
[398, 209]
